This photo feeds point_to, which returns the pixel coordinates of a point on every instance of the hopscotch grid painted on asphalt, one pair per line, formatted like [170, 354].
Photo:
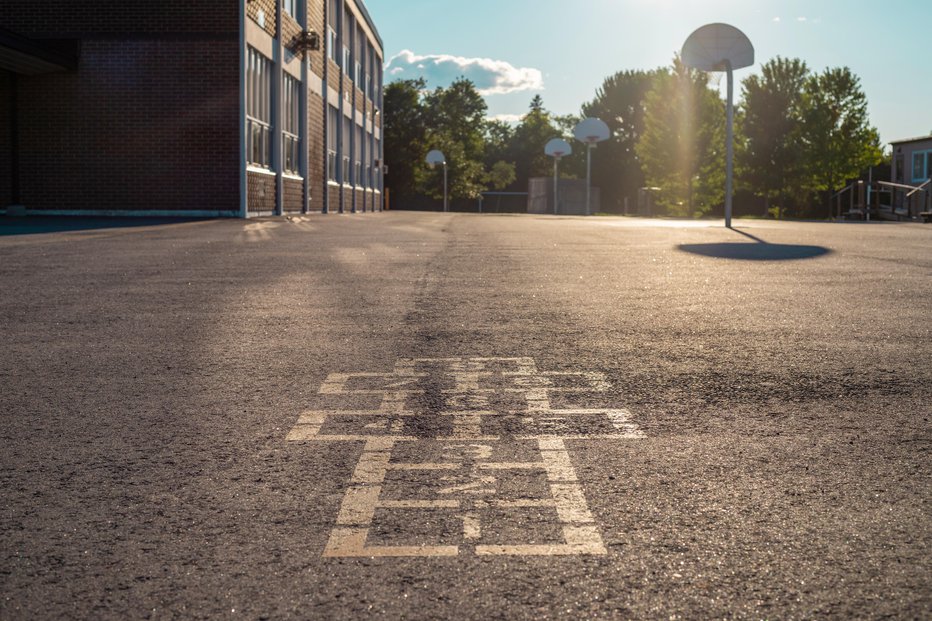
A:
[472, 460]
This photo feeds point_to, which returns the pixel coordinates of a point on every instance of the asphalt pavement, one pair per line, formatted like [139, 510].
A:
[453, 416]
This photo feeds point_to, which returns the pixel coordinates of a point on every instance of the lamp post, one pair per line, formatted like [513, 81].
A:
[435, 158]
[591, 132]
[557, 149]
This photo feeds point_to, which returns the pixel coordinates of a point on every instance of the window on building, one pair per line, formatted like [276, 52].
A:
[333, 18]
[348, 28]
[259, 109]
[922, 166]
[291, 7]
[332, 44]
[333, 139]
[347, 144]
[360, 52]
[291, 126]
[898, 165]
[357, 156]
[377, 168]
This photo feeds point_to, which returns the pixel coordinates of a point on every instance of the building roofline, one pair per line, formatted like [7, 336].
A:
[33, 56]
[361, 5]
[908, 140]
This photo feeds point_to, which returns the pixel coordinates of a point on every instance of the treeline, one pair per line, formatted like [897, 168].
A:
[799, 137]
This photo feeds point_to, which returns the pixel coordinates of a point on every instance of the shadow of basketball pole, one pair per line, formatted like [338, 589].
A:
[759, 250]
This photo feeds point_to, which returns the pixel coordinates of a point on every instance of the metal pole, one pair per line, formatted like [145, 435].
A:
[556, 172]
[730, 147]
[445, 204]
[588, 177]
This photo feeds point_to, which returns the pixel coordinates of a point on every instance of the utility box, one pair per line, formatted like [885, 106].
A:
[572, 193]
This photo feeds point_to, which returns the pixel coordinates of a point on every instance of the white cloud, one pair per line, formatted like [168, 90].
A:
[776, 19]
[800, 19]
[507, 118]
[491, 77]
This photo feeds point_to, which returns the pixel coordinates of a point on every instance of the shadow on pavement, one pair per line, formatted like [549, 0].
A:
[59, 224]
[759, 251]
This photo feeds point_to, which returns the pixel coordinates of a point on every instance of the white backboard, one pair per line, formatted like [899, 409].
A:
[558, 148]
[592, 131]
[436, 158]
[713, 46]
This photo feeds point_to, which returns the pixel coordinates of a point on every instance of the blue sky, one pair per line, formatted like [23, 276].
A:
[562, 49]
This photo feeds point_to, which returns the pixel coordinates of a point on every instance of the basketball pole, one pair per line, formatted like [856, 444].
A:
[730, 147]
[588, 177]
[556, 173]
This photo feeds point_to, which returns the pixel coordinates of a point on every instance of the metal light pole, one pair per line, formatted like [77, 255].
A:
[437, 158]
[589, 178]
[556, 184]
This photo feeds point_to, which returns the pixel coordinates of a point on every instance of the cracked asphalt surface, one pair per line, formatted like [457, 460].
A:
[781, 375]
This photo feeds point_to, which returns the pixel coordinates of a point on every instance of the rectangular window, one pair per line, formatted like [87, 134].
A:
[357, 156]
[358, 76]
[347, 146]
[332, 44]
[922, 166]
[291, 7]
[291, 127]
[346, 60]
[333, 139]
[259, 109]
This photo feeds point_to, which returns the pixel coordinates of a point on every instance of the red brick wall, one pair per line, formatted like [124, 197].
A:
[268, 7]
[5, 177]
[71, 18]
[142, 125]
[261, 193]
[316, 157]
[333, 199]
[293, 195]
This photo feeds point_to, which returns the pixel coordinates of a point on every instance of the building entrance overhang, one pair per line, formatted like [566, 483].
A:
[27, 56]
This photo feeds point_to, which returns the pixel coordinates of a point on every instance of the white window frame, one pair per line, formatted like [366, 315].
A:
[291, 7]
[333, 140]
[259, 110]
[924, 167]
[332, 45]
[291, 125]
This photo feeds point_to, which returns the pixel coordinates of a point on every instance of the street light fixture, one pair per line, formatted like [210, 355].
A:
[436, 158]
[591, 132]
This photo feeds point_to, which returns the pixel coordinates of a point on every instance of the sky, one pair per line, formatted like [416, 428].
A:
[563, 49]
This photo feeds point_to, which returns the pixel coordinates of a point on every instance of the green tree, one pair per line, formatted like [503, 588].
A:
[770, 153]
[500, 175]
[405, 133]
[530, 137]
[620, 102]
[456, 124]
[839, 139]
[682, 147]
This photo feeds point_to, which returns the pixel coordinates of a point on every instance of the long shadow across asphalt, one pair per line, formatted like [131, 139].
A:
[60, 224]
[759, 251]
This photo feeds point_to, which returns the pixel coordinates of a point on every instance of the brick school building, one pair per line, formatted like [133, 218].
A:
[201, 108]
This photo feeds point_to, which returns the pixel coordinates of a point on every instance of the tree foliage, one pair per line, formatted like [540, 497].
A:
[621, 103]
[839, 139]
[405, 134]
[771, 154]
[682, 146]
[796, 134]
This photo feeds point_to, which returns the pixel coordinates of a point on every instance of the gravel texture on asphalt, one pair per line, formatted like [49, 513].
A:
[781, 374]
